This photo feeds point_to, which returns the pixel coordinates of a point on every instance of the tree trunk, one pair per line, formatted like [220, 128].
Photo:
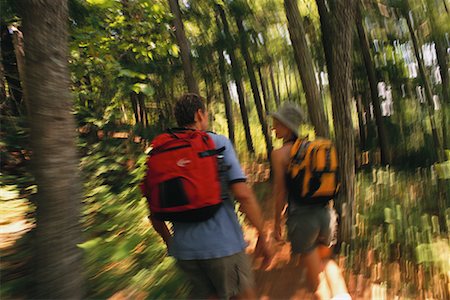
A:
[142, 110]
[286, 80]
[382, 133]
[341, 17]
[135, 106]
[276, 94]
[2, 84]
[327, 34]
[237, 77]
[20, 58]
[306, 68]
[58, 260]
[184, 47]
[361, 117]
[254, 84]
[437, 144]
[226, 96]
[264, 90]
[443, 67]
[11, 71]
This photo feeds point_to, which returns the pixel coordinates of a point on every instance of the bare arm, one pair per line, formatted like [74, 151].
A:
[161, 228]
[279, 167]
[249, 206]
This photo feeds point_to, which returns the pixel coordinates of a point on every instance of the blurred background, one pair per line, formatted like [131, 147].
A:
[86, 84]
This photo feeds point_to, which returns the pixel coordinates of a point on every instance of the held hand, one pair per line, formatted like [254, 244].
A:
[264, 248]
[277, 234]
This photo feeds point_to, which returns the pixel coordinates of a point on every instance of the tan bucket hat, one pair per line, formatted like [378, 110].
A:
[291, 115]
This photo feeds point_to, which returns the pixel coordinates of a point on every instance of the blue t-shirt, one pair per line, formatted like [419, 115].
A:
[220, 235]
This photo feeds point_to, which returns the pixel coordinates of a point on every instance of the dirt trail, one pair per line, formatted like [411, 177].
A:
[285, 279]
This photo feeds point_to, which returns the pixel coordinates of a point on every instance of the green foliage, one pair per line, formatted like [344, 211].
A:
[398, 221]
[122, 251]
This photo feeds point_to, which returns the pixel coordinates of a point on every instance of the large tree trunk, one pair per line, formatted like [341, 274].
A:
[382, 133]
[237, 78]
[58, 260]
[184, 47]
[306, 68]
[341, 16]
[428, 95]
[254, 84]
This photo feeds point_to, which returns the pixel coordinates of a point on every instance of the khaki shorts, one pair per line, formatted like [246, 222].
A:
[224, 277]
[309, 226]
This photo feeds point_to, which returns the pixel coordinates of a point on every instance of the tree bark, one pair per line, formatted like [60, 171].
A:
[20, 58]
[306, 68]
[361, 117]
[327, 34]
[254, 84]
[442, 58]
[11, 70]
[226, 96]
[237, 78]
[437, 144]
[184, 47]
[285, 76]
[58, 260]
[276, 93]
[142, 110]
[370, 70]
[264, 89]
[342, 18]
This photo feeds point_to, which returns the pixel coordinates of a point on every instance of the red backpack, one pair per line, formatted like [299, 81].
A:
[182, 182]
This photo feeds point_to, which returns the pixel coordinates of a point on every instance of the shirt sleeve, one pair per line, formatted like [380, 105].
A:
[235, 173]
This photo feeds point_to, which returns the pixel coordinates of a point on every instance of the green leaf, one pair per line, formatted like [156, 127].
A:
[143, 88]
[101, 3]
[90, 244]
[131, 74]
[174, 50]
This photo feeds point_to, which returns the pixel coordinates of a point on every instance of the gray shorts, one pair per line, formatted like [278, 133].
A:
[309, 226]
[223, 277]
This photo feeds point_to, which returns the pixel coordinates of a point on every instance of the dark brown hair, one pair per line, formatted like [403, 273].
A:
[186, 107]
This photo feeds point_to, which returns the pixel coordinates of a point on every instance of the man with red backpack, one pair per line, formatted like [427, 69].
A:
[190, 174]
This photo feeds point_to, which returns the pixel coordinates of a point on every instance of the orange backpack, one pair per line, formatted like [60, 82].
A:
[313, 171]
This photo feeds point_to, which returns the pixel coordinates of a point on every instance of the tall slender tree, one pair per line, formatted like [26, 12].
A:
[306, 68]
[224, 81]
[184, 47]
[370, 70]
[428, 94]
[58, 265]
[253, 82]
[237, 75]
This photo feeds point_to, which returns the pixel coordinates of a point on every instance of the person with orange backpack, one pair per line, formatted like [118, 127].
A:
[191, 177]
[305, 174]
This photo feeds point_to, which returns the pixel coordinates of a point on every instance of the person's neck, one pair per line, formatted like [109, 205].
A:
[193, 127]
[289, 140]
